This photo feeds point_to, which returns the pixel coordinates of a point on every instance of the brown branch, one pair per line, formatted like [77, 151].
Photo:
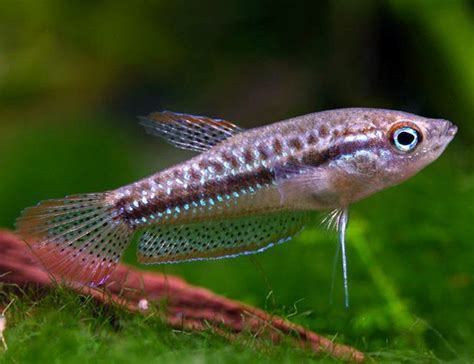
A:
[187, 307]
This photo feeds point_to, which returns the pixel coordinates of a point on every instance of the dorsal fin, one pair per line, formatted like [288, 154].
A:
[197, 133]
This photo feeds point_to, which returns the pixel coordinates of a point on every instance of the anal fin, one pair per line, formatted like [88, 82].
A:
[217, 239]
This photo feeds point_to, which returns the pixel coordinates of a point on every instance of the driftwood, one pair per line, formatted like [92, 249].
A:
[187, 307]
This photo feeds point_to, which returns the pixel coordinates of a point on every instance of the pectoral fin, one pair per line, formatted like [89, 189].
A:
[296, 183]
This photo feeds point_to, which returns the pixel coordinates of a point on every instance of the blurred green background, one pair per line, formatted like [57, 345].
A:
[75, 74]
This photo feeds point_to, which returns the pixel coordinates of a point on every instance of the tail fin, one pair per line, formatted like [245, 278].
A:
[80, 238]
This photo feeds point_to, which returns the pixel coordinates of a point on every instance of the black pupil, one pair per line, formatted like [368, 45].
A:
[405, 138]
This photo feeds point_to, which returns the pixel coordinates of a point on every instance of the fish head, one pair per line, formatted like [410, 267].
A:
[411, 142]
[383, 148]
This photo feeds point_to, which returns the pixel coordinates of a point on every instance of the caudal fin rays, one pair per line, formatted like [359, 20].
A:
[78, 239]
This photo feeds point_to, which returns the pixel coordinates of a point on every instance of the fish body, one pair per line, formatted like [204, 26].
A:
[247, 190]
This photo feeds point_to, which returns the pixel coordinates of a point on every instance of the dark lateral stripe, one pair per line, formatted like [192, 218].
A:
[234, 183]
[319, 158]
[195, 192]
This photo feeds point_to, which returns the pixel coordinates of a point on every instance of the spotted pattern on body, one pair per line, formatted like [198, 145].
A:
[218, 183]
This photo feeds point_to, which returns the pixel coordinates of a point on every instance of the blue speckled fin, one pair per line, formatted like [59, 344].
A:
[197, 133]
[216, 239]
[78, 238]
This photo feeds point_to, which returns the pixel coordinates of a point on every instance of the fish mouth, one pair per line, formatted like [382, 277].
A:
[447, 130]
[451, 130]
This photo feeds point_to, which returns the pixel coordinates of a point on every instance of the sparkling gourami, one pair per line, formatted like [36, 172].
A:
[246, 191]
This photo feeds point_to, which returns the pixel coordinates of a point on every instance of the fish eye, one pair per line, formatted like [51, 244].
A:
[405, 139]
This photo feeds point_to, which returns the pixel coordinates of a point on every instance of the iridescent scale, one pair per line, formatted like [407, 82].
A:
[232, 179]
[236, 176]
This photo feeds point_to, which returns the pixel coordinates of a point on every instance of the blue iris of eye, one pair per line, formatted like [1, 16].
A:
[405, 139]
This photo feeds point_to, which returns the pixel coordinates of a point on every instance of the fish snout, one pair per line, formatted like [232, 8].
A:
[443, 130]
[451, 130]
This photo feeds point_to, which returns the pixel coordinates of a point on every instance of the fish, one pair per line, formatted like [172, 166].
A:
[246, 190]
